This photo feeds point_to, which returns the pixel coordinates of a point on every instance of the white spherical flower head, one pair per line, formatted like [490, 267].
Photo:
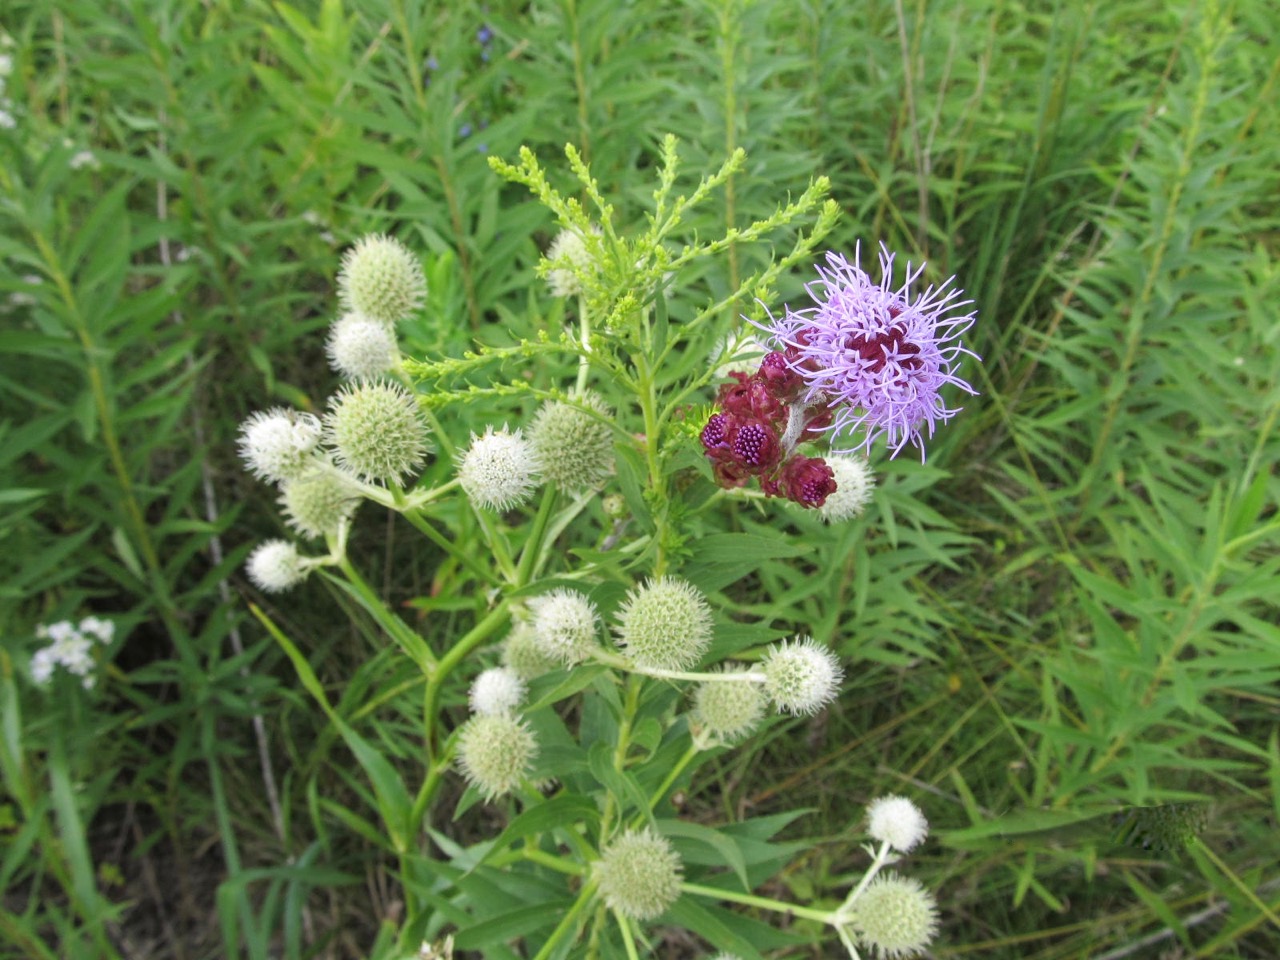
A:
[730, 709]
[522, 654]
[317, 502]
[854, 483]
[898, 822]
[362, 349]
[496, 690]
[564, 625]
[574, 447]
[275, 566]
[801, 677]
[665, 624]
[895, 915]
[278, 444]
[568, 250]
[639, 874]
[494, 753]
[381, 279]
[376, 431]
[499, 470]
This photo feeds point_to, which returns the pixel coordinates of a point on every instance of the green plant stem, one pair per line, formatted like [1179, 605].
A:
[585, 895]
[628, 937]
[764, 903]
[584, 359]
[672, 775]
[440, 672]
[647, 393]
[620, 751]
[533, 547]
[435, 536]
[404, 635]
[552, 862]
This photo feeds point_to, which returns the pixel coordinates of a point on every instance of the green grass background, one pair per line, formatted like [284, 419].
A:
[1071, 607]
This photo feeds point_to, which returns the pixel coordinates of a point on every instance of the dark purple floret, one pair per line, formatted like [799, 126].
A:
[713, 433]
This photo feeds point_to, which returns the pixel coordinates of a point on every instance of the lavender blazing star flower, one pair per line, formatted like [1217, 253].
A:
[875, 355]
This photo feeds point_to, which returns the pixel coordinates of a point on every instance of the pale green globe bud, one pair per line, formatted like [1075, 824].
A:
[729, 709]
[279, 444]
[275, 566]
[381, 279]
[564, 625]
[499, 470]
[665, 624]
[801, 677]
[638, 874]
[854, 483]
[895, 915]
[522, 654]
[362, 349]
[496, 690]
[319, 500]
[898, 822]
[376, 431]
[574, 447]
[568, 250]
[494, 752]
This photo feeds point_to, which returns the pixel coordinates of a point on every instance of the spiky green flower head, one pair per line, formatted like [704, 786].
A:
[898, 822]
[376, 431]
[665, 624]
[801, 677]
[317, 502]
[729, 709]
[362, 349]
[496, 690]
[854, 483]
[499, 470]
[574, 447]
[520, 652]
[564, 625]
[279, 444]
[494, 752]
[276, 566]
[638, 874]
[568, 250]
[895, 916]
[381, 279]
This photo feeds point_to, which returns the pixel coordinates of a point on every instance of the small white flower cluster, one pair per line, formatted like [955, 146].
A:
[70, 647]
[495, 747]
[373, 434]
[381, 284]
[891, 914]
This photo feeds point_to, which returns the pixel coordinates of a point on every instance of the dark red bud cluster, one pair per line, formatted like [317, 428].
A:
[744, 439]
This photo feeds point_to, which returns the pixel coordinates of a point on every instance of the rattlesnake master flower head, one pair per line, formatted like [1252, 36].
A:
[319, 500]
[522, 654]
[381, 279]
[665, 624]
[895, 916]
[376, 431]
[876, 354]
[275, 566]
[279, 444]
[574, 447]
[854, 483]
[638, 874]
[564, 625]
[801, 677]
[494, 752]
[496, 690]
[729, 709]
[362, 349]
[499, 470]
[568, 249]
[898, 822]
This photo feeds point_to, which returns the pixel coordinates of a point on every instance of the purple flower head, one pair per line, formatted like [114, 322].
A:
[877, 355]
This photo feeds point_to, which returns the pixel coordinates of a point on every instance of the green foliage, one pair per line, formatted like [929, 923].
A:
[1067, 613]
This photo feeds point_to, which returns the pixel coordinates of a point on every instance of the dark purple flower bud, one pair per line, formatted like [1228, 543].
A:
[808, 480]
[713, 433]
